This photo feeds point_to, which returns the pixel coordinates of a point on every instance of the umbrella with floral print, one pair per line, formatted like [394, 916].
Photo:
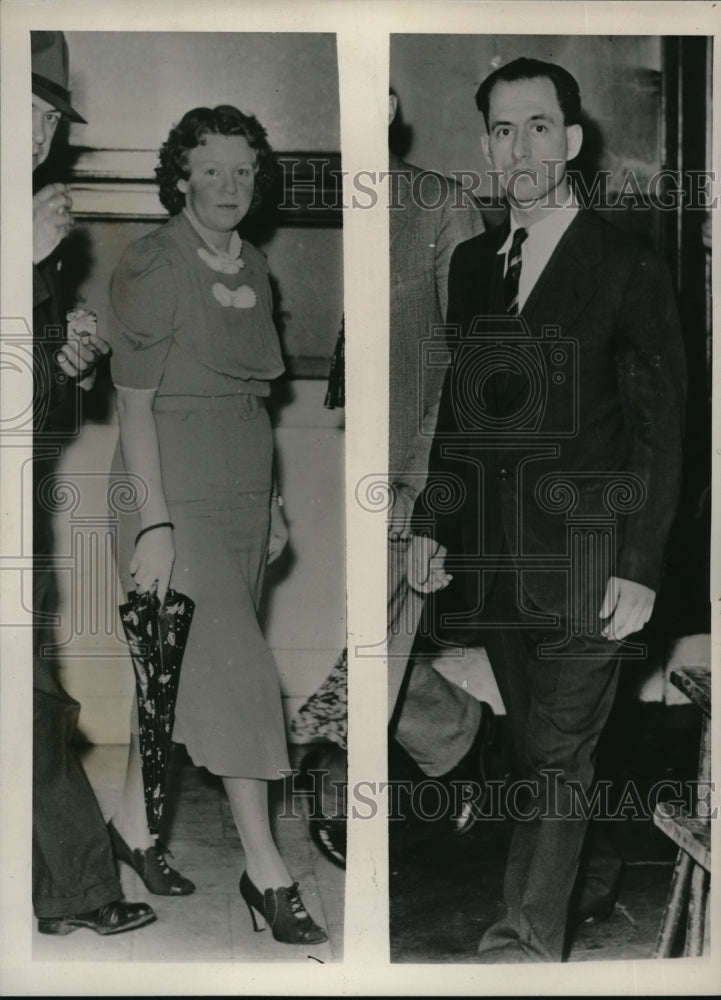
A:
[156, 637]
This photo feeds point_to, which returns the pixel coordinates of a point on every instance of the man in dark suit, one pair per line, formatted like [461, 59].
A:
[75, 883]
[559, 436]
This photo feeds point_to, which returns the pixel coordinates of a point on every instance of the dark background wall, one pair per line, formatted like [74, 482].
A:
[436, 78]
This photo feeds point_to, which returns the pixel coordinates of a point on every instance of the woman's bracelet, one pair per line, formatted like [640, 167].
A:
[278, 499]
[152, 527]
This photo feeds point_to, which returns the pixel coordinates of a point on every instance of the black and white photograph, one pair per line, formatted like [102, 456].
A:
[187, 483]
[359, 464]
[549, 540]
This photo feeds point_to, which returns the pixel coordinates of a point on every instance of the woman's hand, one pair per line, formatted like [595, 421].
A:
[152, 562]
[278, 534]
[424, 565]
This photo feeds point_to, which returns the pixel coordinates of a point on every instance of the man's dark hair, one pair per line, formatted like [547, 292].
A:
[567, 92]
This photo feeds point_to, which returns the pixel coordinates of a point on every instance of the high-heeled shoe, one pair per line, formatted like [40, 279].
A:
[151, 866]
[284, 912]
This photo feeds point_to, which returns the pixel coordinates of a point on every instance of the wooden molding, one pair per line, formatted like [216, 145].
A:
[119, 184]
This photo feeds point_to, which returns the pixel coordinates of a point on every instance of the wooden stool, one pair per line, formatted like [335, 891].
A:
[692, 833]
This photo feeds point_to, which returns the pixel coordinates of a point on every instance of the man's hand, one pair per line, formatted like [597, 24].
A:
[424, 565]
[52, 220]
[628, 607]
[399, 519]
[83, 349]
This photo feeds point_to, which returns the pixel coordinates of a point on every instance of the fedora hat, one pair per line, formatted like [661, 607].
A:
[50, 71]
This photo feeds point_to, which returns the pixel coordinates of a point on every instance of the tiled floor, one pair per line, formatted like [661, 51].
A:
[446, 889]
[213, 924]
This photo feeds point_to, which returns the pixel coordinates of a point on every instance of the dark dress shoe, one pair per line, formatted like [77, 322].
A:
[151, 865]
[329, 836]
[594, 909]
[324, 773]
[282, 909]
[113, 918]
[598, 909]
[467, 780]
[597, 893]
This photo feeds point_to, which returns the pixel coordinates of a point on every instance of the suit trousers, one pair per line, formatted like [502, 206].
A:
[73, 866]
[558, 703]
[435, 720]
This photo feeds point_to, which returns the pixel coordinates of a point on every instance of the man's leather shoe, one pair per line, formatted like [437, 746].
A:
[592, 911]
[467, 780]
[600, 909]
[113, 918]
[594, 906]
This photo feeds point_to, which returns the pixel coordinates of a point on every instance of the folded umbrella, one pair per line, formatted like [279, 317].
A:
[156, 637]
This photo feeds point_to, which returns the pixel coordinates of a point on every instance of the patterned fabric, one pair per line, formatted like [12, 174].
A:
[157, 638]
[513, 272]
[325, 714]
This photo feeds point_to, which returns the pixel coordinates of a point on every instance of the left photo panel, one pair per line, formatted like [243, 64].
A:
[183, 462]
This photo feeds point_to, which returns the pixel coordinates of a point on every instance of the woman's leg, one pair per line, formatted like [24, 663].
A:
[265, 868]
[131, 839]
[129, 818]
[248, 799]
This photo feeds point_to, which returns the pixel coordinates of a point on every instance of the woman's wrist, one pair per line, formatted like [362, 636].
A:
[152, 527]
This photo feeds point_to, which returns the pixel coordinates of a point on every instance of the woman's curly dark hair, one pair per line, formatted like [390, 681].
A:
[190, 132]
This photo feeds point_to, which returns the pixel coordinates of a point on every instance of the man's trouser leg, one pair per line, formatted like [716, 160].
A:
[566, 700]
[436, 720]
[73, 867]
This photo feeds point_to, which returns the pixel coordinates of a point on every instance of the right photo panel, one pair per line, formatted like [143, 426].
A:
[550, 477]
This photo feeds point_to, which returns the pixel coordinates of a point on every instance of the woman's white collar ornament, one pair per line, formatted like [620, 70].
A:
[225, 262]
[241, 298]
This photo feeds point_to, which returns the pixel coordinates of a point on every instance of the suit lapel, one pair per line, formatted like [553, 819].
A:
[562, 290]
[484, 278]
[496, 298]
[569, 278]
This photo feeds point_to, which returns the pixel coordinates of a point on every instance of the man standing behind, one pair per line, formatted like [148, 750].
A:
[562, 419]
[74, 879]
[441, 726]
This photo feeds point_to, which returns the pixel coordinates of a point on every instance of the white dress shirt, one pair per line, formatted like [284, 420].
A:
[543, 238]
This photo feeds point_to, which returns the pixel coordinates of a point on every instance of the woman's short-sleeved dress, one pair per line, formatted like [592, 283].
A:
[199, 328]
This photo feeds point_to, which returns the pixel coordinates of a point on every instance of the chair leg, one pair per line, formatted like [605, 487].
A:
[674, 903]
[696, 912]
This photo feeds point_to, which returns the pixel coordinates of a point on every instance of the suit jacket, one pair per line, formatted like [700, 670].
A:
[422, 241]
[569, 419]
[56, 398]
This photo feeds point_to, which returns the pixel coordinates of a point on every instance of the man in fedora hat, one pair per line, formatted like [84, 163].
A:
[75, 883]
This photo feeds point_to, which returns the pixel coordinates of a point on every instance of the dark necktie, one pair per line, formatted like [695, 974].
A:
[513, 272]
